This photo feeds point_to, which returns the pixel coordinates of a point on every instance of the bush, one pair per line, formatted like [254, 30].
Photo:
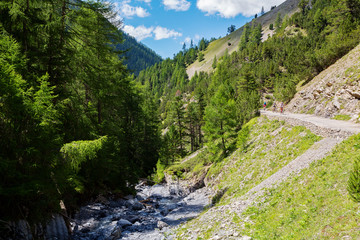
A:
[354, 181]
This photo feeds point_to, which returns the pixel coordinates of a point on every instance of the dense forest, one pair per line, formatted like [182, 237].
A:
[137, 55]
[210, 109]
[75, 124]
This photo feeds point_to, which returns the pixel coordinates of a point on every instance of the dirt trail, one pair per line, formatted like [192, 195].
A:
[322, 126]
[333, 131]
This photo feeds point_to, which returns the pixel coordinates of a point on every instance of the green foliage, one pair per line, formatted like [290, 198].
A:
[342, 117]
[61, 82]
[80, 151]
[271, 27]
[214, 62]
[160, 175]
[201, 57]
[231, 29]
[138, 56]
[354, 181]
[314, 203]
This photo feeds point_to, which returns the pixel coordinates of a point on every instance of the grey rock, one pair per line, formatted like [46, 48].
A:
[134, 204]
[354, 94]
[116, 233]
[123, 223]
[132, 218]
[245, 238]
[161, 225]
[336, 104]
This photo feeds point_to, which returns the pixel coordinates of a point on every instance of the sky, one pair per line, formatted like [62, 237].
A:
[165, 25]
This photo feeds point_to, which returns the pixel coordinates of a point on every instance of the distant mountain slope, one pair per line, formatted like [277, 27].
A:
[218, 47]
[138, 56]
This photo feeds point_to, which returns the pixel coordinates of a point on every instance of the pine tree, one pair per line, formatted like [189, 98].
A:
[214, 62]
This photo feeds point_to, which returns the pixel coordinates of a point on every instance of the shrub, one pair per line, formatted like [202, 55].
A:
[354, 181]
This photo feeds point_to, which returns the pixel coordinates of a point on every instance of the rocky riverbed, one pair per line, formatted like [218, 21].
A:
[152, 214]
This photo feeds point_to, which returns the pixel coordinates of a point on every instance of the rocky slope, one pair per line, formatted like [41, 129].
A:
[334, 92]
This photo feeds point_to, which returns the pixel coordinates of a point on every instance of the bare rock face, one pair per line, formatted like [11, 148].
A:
[335, 91]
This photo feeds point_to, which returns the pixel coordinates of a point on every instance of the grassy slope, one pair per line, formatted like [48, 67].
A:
[219, 46]
[314, 205]
[271, 145]
[311, 205]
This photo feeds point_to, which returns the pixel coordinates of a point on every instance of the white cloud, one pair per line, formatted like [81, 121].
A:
[232, 8]
[177, 5]
[140, 32]
[161, 33]
[147, 1]
[129, 11]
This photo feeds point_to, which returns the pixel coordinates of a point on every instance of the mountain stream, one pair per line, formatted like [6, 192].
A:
[152, 214]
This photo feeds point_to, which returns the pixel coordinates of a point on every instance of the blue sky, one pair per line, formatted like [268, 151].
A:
[164, 25]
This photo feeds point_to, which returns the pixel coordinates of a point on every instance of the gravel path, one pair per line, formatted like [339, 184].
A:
[333, 131]
[322, 126]
[318, 151]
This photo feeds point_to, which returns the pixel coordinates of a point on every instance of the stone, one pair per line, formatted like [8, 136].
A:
[161, 225]
[134, 204]
[245, 238]
[116, 233]
[336, 104]
[123, 223]
[132, 218]
[354, 94]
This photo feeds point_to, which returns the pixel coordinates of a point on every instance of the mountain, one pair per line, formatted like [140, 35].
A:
[231, 42]
[138, 56]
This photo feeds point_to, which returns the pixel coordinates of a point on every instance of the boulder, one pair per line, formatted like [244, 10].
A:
[354, 94]
[161, 225]
[336, 104]
[132, 218]
[134, 204]
[116, 233]
[123, 223]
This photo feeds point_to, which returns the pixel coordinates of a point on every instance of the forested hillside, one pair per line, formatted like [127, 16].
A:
[211, 108]
[137, 55]
[73, 122]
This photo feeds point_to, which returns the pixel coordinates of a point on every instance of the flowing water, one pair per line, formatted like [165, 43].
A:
[152, 214]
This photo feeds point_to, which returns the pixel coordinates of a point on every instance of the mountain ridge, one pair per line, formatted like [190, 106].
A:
[218, 47]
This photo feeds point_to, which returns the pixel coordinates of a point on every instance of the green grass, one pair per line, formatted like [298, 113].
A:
[342, 117]
[269, 146]
[314, 205]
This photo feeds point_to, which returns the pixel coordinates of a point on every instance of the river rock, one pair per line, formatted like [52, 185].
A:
[133, 218]
[134, 204]
[116, 233]
[161, 225]
[123, 223]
